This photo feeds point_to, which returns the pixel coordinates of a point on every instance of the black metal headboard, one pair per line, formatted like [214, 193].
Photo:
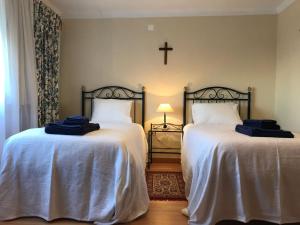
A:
[216, 94]
[115, 92]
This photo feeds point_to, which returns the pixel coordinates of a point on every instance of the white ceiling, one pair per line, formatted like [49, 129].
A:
[164, 8]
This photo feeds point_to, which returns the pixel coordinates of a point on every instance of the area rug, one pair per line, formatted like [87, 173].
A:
[165, 185]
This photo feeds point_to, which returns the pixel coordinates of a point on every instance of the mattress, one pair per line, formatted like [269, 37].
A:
[230, 176]
[97, 177]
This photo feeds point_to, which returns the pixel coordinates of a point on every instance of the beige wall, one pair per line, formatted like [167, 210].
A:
[238, 52]
[288, 68]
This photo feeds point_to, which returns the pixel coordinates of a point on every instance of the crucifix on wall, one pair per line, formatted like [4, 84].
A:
[166, 48]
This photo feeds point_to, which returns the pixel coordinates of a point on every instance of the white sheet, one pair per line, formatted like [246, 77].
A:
[97, 177]
[232, 176]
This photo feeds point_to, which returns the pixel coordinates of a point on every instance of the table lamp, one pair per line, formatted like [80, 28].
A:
[165, 108]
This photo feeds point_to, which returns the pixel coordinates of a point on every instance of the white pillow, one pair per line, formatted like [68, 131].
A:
[216, 113]
[111, 110]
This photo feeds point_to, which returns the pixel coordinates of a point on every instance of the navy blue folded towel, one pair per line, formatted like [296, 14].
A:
[76, 120]
[263, 124]
[259, 132]
[61, 128]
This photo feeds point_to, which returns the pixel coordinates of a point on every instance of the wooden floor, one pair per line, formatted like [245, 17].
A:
[168, 167]
[160, 212]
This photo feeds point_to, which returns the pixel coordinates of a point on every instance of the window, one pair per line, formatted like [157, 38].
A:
[2, 53]
[2, 71]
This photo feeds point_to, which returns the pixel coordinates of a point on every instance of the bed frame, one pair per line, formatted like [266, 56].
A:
[114, 92]
[216, 94]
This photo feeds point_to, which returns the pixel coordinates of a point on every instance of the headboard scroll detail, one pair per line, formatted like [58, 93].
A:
[216, 94]
[115, 92]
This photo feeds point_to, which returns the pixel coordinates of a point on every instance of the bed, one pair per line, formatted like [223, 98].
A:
[98, 177]
[230, 176]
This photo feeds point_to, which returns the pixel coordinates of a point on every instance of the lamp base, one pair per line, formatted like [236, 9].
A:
[165, 120]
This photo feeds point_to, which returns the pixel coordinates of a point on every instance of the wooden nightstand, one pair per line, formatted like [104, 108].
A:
[159, 128]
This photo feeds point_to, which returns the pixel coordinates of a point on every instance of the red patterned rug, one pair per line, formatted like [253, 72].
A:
[165, 185]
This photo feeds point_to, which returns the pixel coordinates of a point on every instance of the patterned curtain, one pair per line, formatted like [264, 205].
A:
[47, 32]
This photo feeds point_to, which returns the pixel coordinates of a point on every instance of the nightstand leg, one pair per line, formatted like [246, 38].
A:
[151, 147]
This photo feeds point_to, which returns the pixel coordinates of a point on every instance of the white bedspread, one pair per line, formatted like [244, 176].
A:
[97, 177]
[232, 176]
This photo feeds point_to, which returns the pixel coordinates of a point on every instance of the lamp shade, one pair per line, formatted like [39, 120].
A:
[164, 108]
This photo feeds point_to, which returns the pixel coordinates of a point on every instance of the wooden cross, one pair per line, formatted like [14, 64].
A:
[166, 49]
